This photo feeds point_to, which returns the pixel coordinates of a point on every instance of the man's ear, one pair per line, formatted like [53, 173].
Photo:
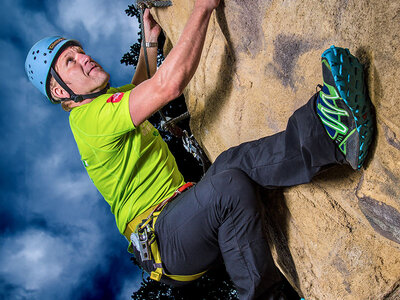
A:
[59, 92]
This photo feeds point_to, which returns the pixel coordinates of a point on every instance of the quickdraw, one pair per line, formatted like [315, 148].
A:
[153, 3]
[191, 146]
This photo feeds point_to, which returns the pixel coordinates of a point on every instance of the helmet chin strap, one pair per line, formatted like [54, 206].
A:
[74, 97]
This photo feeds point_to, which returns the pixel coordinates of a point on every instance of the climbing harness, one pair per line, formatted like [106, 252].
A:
[168, 124]
[143, 238]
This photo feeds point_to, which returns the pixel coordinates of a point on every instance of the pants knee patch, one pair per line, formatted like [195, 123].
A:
[233, 182]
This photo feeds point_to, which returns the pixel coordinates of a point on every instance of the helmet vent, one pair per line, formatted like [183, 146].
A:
[45, 61]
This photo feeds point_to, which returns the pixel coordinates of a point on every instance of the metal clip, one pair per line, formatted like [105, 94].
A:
[142, 4]
[140, 241]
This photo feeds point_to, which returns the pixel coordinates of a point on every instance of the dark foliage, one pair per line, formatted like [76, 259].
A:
[213, 285]
[132, 56]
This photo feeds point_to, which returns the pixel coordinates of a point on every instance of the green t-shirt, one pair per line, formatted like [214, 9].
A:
[131, 167]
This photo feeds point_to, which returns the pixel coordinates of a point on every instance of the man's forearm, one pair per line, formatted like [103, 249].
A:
[141, 72]
[181, 64]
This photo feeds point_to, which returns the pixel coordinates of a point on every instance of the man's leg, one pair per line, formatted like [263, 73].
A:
[335, 126]
[221, 215]
[288, 158]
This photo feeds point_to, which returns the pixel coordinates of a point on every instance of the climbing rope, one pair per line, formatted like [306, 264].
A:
[168, 124]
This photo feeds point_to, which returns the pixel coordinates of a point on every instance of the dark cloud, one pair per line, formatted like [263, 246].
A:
[58, 237]
[31, 5]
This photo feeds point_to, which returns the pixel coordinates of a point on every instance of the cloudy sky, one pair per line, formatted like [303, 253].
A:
[58, 237]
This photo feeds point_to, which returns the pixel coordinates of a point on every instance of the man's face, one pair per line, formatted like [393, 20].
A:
[80, 72]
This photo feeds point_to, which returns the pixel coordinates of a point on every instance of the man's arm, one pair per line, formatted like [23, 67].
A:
[152, 31]
[178, 68]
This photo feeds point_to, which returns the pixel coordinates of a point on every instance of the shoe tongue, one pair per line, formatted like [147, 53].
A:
[327, 74]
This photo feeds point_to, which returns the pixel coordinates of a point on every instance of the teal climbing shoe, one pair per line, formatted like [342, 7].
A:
[344, 106]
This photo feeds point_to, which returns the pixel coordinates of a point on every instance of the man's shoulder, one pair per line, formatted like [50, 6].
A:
[106, 114]
[121, 89]
[113, 95]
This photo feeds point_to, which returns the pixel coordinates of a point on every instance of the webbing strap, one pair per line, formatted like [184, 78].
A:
[159, 271]
[146, 59]
[157, 274]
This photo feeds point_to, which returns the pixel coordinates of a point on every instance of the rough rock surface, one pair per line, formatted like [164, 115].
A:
[339, 236]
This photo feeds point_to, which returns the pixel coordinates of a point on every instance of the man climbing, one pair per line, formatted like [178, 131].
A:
[186, 228]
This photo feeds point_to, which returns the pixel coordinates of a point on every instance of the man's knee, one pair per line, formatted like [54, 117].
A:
[235, 186]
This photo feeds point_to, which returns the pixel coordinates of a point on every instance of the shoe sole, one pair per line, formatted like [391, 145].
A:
[348, 76]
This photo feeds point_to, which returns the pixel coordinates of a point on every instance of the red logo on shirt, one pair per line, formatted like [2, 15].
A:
[115, 98]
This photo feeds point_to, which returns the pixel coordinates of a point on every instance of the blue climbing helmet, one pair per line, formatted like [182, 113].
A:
[39, 67]
[41, 58]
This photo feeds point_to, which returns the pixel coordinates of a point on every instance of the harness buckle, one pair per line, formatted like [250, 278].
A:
[155, 276]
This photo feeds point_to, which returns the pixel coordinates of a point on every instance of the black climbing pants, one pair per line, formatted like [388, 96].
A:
[221, 215]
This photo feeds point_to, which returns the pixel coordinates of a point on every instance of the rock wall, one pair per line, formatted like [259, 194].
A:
[339, 236]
